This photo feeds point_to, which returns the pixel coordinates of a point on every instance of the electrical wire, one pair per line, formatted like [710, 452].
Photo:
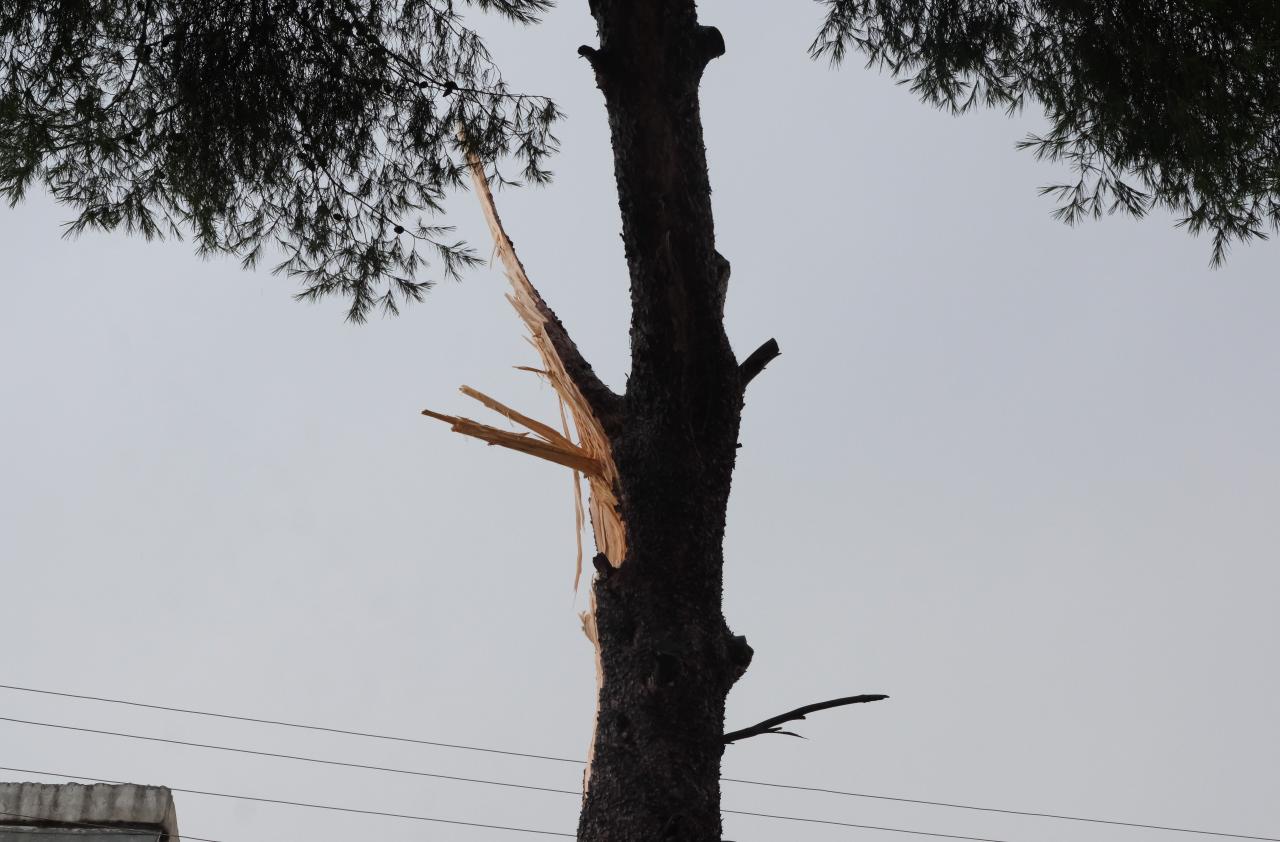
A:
[465, 780]
[291, 724]
[744, 781]
[308, 805]
[862, 826]
[752, 814]
[502, 827]
[291, 757]
[1003, 811]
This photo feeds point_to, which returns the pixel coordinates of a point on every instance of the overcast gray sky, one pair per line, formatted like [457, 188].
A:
[1022, 477]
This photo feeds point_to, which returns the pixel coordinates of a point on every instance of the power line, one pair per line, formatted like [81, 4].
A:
[291, 757]
[291, 724]
[862, 826]
[455, 778]
[1004, 811]
[308, 805]
[798, 787]
[259, 799]
[493, 826]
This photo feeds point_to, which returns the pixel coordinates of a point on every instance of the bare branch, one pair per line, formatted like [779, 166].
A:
[771, 725]
[759, 358]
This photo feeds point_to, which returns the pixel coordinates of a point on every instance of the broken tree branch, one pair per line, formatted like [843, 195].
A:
[570, 455]
[547, 432]
[770, 726]
[759, 358]
[605, 404]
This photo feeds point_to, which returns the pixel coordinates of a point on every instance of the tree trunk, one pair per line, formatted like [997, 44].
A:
[667, 655]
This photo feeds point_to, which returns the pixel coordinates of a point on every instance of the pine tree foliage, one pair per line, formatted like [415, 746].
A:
[327, 129]
[1169, 104]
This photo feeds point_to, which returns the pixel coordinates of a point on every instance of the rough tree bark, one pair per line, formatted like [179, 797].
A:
[659, 459]
[668, 656]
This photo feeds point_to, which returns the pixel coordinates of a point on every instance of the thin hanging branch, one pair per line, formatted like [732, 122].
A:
[771, 725]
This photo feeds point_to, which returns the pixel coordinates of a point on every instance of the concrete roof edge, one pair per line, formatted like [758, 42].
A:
[102, 805]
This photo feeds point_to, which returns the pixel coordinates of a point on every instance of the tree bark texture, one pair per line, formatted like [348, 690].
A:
[668, 657]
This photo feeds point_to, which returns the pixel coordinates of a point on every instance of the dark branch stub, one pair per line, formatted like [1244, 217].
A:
[710, 42]
[594, 57]
[771, 725]
[759, 358]
[723, 269]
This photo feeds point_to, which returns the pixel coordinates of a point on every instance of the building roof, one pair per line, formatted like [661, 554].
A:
[105, 807]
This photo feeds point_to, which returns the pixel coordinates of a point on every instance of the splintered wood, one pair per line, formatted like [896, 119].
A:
[590, 456]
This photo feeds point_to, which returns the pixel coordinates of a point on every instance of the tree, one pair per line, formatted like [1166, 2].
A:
[322, 129]
[1165, 104]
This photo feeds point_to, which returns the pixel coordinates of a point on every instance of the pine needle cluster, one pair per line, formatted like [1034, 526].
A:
[1170, 104]
[326, 129]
